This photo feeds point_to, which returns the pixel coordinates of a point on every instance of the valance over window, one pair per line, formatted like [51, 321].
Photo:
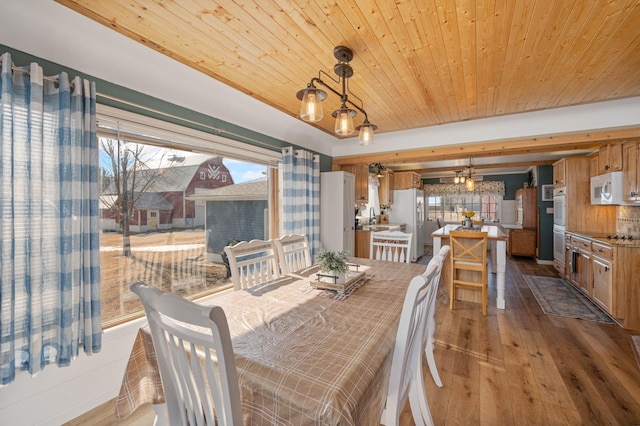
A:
[483, 188]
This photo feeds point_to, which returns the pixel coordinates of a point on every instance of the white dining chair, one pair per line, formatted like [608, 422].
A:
[252, 262]
[393, 246]
[405, 377]
[294, 252]
[197, 366]
[434, 269]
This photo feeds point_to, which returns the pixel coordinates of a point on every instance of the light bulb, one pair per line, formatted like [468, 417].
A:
[311, 106]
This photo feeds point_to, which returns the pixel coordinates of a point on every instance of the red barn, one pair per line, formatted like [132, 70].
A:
[161, 202]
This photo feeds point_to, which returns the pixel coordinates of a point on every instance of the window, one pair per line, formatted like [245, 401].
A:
[173, 232]
[203, 175]
[449, 207]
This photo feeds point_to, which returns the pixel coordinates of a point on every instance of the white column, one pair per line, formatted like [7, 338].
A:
[501, 254]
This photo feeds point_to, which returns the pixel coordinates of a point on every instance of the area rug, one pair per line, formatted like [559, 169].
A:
[558, 297]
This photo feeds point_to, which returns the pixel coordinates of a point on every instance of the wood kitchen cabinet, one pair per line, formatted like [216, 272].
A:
[631, 182]
[385, 190]
[580, 271]
[363, 241]
[361, 173]
[610, 158]
[602, 271]
[406, 180]
[572, 173]
[608, 274]
[526, 207]
[522, 242]
[559, 167]
[594, 165]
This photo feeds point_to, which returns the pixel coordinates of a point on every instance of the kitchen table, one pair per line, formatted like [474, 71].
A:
[498, 247]
[304, 356]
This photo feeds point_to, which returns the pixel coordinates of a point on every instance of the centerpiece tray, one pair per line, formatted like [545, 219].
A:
[353, 278]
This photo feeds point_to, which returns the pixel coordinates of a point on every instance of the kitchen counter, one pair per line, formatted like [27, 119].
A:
[377, 228]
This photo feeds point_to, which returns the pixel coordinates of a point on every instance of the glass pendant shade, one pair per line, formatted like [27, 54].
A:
[471, 185]
[344, 121]
[366, 134]
[311, 105]
[462, 179]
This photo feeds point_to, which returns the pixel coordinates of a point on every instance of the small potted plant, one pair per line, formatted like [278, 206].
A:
[467, 218]
[333, 264]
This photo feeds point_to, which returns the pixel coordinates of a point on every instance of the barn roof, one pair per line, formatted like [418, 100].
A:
[251, 190]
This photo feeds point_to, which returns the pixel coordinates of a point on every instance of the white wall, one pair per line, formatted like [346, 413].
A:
[57, 395]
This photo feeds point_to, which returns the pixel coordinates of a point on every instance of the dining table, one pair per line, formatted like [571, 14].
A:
[497, 253]
[304, 356]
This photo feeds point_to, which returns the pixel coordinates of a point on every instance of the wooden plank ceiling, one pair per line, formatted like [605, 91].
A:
[417, 63]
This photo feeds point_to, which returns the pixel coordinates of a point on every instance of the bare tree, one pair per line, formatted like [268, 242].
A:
[126, 175]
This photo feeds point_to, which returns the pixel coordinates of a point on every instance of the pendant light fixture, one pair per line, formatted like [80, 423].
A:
[470, 184]
[458, 178]
[311, 100]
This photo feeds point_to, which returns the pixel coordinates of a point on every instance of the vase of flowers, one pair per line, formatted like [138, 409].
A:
[333, 266]
[468, 214]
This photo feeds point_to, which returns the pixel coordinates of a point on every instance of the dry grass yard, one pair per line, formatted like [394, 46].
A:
[172, 261]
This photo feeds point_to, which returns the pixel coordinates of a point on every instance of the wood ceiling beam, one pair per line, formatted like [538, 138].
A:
[567, 142]
[481, 166]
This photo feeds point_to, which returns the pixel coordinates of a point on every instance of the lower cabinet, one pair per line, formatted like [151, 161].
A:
[522, 242]
[363, 241]
[602, 292]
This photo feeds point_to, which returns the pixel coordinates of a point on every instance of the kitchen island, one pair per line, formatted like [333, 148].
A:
[498, 247]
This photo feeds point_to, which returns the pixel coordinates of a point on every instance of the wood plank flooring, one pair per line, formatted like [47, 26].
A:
[514, 366]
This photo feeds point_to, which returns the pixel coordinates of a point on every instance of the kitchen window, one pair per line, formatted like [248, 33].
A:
[449, 207]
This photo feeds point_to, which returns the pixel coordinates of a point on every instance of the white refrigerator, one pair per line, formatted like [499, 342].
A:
[408, 208]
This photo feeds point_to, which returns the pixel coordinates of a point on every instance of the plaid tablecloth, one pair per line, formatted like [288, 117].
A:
[304, 358]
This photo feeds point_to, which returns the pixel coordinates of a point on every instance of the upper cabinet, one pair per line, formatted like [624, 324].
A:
[385, 190]
[407, 180]
[610, 158]
[559, 173]
[631, 186]
[361, 173]
[594, 163]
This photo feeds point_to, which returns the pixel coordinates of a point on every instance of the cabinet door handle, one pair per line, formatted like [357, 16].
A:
[606, 269]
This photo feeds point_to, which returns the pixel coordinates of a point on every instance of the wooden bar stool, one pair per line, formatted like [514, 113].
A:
[469, 256]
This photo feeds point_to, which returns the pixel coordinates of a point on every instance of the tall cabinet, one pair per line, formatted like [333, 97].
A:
[522, 242]
[337, 211]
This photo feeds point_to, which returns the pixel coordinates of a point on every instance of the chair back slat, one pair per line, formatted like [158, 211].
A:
[392, 246]
[294, 253]
[195, 358]
[252, 262]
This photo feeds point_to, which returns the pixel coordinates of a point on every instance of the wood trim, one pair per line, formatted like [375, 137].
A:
[568, 142]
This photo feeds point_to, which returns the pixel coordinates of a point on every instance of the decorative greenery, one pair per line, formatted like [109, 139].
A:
[468, 214]
[330, 260]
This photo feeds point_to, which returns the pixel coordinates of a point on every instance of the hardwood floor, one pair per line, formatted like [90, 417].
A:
[514, 366]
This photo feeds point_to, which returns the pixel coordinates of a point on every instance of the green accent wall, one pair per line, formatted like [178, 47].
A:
[545, 251]
[195, 120]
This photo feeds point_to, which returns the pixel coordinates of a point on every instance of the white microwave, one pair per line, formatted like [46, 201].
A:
[607, 189]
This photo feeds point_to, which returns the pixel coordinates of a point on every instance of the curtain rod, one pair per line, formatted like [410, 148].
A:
[175, 117]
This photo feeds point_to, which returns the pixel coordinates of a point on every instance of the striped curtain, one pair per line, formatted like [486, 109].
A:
[301, 196]
[49, 229]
